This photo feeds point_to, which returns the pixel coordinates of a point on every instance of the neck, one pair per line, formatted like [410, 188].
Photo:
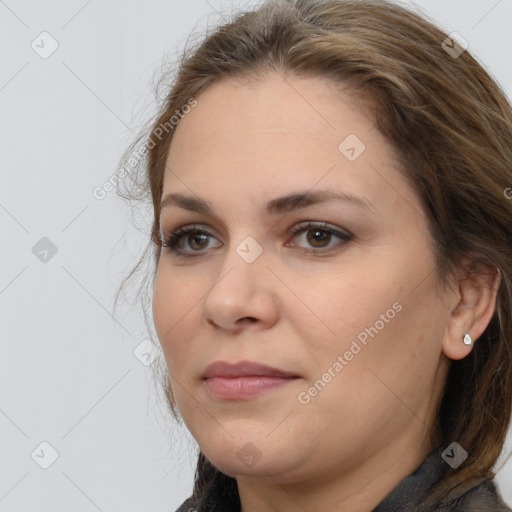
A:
[358, 489]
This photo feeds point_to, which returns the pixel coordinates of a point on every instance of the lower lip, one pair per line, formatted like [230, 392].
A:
[235, 388]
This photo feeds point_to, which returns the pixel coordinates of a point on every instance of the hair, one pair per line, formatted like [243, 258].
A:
[450, 126]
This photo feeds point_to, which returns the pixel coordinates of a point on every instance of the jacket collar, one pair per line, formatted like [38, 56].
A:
[411, 491]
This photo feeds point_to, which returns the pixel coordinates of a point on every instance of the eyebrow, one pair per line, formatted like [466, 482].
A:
[276, 206]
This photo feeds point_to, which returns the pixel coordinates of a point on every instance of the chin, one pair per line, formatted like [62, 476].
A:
[258, 457]
[262, 469]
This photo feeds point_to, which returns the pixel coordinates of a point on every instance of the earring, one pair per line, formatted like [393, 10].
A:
[467, 339]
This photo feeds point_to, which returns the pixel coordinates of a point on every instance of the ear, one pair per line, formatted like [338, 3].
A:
[472, 310]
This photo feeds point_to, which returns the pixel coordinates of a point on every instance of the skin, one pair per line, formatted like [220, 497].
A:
[368, 428]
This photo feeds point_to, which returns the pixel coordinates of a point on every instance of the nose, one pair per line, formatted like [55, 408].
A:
[243, 294]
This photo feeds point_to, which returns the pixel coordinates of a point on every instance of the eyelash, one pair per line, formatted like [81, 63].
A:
[172, 240]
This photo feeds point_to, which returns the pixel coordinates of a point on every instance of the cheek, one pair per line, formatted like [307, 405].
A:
[346, 305]
[174, 304]
[377, 322]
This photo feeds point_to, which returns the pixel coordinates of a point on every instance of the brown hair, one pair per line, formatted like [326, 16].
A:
[451, 127]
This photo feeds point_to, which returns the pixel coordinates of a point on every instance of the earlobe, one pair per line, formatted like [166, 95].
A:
[471, 314]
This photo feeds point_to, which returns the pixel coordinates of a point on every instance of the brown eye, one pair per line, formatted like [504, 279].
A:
[188, 241]
[318, 237]
[197, 241]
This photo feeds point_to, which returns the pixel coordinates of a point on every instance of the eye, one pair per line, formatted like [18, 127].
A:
[320, 235]
[196, 239]
[195, 236]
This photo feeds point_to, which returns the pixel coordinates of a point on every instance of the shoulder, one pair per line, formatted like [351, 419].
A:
[187, 506]
[483, 497]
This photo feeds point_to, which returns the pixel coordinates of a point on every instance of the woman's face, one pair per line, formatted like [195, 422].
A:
[347, 304]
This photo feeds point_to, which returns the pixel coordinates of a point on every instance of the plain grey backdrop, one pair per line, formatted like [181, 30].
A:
[82, 427]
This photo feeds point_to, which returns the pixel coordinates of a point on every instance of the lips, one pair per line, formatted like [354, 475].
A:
[244, 380]
[243, 369]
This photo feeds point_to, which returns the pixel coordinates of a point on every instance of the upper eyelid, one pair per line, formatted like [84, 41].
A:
[192, 227]
[326, 226]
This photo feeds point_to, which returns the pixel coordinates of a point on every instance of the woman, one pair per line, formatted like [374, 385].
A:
[333, 263]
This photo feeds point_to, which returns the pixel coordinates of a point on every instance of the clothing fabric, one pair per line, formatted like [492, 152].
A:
[409, 493]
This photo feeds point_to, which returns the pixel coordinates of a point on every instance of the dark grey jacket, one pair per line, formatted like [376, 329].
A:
[409, 493]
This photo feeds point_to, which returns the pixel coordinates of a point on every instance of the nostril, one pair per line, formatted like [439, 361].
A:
[248, 318]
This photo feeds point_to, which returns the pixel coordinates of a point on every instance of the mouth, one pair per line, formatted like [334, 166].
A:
[244, 379]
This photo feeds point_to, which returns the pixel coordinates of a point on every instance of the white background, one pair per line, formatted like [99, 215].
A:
[68, 373]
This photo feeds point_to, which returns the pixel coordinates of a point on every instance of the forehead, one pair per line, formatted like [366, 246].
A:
[273, 135]
[272, 107]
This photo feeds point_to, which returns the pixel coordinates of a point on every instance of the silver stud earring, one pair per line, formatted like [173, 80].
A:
[467, 339]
